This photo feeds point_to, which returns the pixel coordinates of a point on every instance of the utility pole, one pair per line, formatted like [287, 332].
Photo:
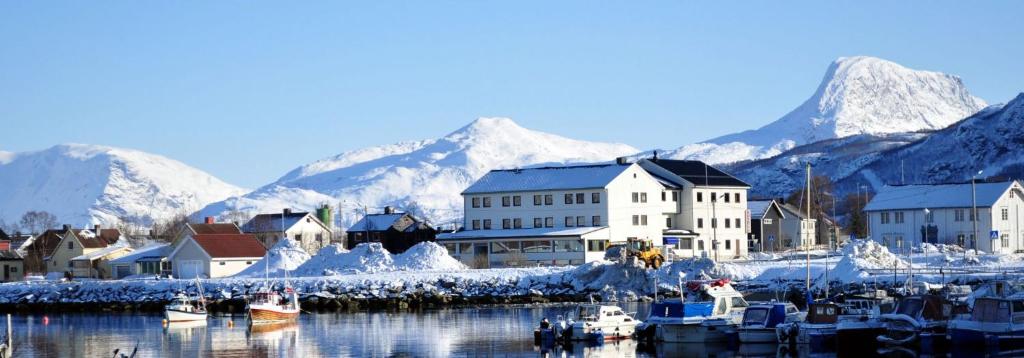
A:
[807, 242]
[974, 211]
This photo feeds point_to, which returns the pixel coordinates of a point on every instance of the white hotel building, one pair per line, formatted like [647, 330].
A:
[569, 215]
[900, 217]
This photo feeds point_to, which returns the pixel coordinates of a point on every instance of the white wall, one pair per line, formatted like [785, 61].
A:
[692, 212]
[228, 267]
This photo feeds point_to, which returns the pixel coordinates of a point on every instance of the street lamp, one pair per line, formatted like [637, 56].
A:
[924, 240]
[835, 235]
[974, 213]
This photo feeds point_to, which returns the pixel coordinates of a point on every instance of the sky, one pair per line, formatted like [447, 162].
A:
[248, 90]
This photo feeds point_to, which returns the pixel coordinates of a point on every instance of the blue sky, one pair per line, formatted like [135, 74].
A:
[249, 90]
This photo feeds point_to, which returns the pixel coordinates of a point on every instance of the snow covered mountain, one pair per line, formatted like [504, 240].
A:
[427, 175]
[89, 184]
[858, 95]
[991, 140]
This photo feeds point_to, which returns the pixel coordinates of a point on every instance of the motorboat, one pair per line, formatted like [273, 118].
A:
[996, 320]
[183, 309]
[915, 319]
[860, 317]
[818, 329]
[759, 321]
[595, 322]
[712, 308]
[269, 306]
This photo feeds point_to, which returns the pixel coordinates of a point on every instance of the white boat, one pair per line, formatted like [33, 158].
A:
[996, 319]
[714, 308]
[184, 310]
[598, 322]
[819, 327]
[759, 321]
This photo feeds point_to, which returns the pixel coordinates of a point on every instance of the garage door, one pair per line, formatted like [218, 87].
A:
[189, 268]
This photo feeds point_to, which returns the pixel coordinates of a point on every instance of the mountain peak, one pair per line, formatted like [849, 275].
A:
[490, 124]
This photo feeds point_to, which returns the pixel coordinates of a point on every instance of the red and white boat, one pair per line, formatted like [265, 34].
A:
[270, 306]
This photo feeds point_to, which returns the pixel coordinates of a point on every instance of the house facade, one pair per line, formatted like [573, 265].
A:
[214, 255]
[148, 260]
[555, 215]
[902, 217]
[798, 230]
[11, 262]
[303, 227]
[84, 252]
[766, 219]
[395, 231]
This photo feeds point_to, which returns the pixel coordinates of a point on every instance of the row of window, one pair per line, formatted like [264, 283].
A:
[714, 223]
[548, 222]
[538, 200]
[528, 246]
[686, 243]
[714, 197]
[958, 216]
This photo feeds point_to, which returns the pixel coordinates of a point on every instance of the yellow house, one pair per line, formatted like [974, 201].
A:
[90, 249]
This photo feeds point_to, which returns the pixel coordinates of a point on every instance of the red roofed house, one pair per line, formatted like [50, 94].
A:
[214, 255]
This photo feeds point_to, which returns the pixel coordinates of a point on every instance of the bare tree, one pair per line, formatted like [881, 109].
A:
[237, 216]
[36, 222]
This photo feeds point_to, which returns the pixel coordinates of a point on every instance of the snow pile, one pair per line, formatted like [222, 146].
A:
[427, 256]
[862, 255]
[699, 268]
[335, 260]
[286, 255]
[941, 248]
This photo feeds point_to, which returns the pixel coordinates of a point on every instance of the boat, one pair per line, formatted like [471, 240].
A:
[995, 321]
[860, 319]
[915, 319]
[759, 321]
[182, 309]
[818, 329]
[595, 322]
[712, 309]
[269, 306]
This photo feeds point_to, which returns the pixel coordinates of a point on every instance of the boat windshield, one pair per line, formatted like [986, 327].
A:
[986, 310]
[756, 315]
[911, 307]
[590, 313]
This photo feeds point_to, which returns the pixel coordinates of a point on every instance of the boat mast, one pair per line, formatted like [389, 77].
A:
[807, 243]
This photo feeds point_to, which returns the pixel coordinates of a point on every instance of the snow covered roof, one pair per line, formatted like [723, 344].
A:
[151, 251]
[377, 222]
[214, 228]
[517, 233]
[276, 222]
[546, 178]
[98, 254]
[758, 208]
[937, 196]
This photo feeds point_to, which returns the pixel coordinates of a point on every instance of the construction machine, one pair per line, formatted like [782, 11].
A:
[642, 249]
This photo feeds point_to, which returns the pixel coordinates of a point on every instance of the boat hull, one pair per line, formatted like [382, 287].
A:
[609, 332]
[692, 333]
[757, 335]
[258, 315]
[181, 316]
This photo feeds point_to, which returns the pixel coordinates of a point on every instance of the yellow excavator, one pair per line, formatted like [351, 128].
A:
[642, 249]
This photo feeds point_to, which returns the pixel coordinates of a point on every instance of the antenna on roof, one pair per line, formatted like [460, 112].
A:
[655, 155]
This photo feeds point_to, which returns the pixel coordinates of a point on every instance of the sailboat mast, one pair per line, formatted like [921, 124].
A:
[807, 243]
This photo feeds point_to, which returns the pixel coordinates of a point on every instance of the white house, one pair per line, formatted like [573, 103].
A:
[902, 216]
[703, 209]
[147, 260]
[303, 227]
[214, 255]
[798, 230]
[555, 215]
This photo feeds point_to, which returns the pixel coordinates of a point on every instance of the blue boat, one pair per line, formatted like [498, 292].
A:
[760, 320]
[994, 322]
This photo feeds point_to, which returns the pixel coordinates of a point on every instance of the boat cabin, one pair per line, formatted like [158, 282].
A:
[998, 310]
[768, 315]
[823, 313]
[668, 310]
[928, 307]
[723, 297]
[594, 313]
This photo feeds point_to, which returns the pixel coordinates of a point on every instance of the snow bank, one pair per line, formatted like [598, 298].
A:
[427, 256]
[335, 260]
[862, 255]
[286, 255]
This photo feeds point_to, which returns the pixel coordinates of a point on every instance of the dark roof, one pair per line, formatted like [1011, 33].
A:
[694, 171]
[3, 235]
[230, 245]
[46, 242]
[215, 228]
[106, 238]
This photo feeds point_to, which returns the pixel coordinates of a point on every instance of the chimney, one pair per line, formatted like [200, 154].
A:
[209, 220]
[621, 160]
[96, 230]
[67, 227]
[389, 210]
[287, 211]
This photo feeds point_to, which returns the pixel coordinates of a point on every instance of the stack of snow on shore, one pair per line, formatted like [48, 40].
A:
[334, 260]
[862, 255]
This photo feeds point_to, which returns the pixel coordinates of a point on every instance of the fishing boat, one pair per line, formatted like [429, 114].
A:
[860, 319]
[711, 310]
[759, 321]
[595, 322]
[994, 321]
[269, 306]
[916, 318]
[183, 309]
[818, 329]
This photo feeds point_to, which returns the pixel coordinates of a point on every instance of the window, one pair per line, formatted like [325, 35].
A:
[580, 198]
[71, 245]
[668, 222]
[973, 213]
[700, 245]
[726, 196]
[643, 220]
[506, 224]
[569, 221]
[506, 201]
[636, 220]
[958, 215]
[568, 198]
[714, 197]
[487, 201]
[222, 263]
[517, 223]
[766, 221]
[568, 245]
[549, 222]
[1005, 240]
[595, 198]
[298, 237]
[737, 196]
[595, 220]
[643, 197]
[597, 245]
[517, 200]
[536, 200]
[700, 223]
[728, 246]
[675, 196]
[727, 224]
[476, 224]
[14, 269]
[700, 197]
[504, 247]
[476, 202]
[636, 197]
[248, 262]
[549, 199]
[884, 218]
[537, 246]
[581, 221]
[737, 221]
[664, 196]
[538, 223]
[686, 243]
[1005, 214]
[899, 217]
[487, 224]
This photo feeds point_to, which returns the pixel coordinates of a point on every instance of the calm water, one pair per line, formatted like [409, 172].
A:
[501, 331]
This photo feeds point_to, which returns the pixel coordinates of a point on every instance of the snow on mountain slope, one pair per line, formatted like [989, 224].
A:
[429, 174]
[88, 184]
[858, 95]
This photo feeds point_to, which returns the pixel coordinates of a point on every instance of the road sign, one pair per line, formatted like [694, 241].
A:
[994, 234]
[771, 237]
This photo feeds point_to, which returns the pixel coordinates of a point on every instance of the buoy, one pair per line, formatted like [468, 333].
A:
[46, 320]
[231, 323]
[163, 322]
